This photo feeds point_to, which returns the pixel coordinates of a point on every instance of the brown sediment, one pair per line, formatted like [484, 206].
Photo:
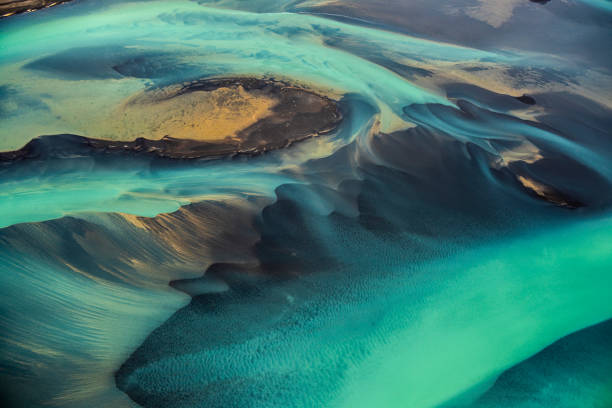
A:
[11, 7]
[197, 115]
[206, 118]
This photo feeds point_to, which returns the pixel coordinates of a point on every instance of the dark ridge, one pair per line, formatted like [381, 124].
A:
[556, 178]
[526, 98]
[247, 83]
[299, 115]
[67, 145]
[10, 7]
[539, 1]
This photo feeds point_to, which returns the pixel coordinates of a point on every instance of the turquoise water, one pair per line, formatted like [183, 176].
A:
[394, 335]
[406, 260]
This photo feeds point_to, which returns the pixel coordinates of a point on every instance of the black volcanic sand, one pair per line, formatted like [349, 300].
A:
[574, 365]
[299, 115]
[565, 181]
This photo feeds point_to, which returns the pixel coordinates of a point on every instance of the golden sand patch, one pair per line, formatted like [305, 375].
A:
[547, 193]
[197, 115]
[538, 188]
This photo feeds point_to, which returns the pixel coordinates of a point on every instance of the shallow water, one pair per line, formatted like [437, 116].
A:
[445, 232]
